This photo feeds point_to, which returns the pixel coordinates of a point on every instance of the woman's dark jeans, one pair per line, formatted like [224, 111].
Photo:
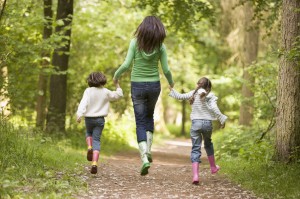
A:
[144, 96]
[94, 127]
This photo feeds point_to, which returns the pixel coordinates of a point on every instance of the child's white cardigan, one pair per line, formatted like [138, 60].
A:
[205, 108]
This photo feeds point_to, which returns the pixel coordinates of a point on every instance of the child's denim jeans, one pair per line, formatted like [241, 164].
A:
[201, 129]
[94, 127]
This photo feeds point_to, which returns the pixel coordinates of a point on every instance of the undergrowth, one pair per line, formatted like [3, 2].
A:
[249, 161]
[38, 165]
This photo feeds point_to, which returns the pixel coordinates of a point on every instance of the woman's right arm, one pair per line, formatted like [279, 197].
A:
[128, 60]
[179, 96]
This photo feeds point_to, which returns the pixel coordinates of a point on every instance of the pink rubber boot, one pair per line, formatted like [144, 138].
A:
[195, 166]
[89, 142]
[95, 162]
[213, 167]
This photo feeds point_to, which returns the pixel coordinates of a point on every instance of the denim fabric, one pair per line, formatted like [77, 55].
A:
[201, 129]
[144, 96]
[94, 127]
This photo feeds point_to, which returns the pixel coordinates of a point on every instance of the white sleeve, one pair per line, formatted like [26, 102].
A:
[180, 96]
[83, 104]
[114, 95]
[212, 106]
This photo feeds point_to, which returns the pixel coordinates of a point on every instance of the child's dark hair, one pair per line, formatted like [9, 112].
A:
[150, 34]
[204, 83]
[96, 79]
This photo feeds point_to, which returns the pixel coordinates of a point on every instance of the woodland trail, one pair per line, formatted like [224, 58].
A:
[170, 176]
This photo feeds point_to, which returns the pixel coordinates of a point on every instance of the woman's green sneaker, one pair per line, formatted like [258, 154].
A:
[145, 167]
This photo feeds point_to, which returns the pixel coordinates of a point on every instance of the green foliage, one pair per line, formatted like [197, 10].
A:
[176, 130]
[101, 34]
[265, 72]
[266, 12]
[36, 166]
[176, 13]
[266, 179]
[243, 143]
[20, 49]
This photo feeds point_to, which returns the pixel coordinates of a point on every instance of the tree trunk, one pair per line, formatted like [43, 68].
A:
[43, 77]
[4, 100]
[248, 55]
[58, 81]
[288, 95]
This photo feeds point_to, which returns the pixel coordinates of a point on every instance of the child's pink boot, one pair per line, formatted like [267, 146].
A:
[95, 162]
[89, 142]
[195, 166]
[213, 167]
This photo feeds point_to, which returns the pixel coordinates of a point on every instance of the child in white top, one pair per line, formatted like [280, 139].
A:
[204, 110]
[94, 106]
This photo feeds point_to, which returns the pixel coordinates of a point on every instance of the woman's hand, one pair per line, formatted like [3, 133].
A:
[171, 86]
[116, 82]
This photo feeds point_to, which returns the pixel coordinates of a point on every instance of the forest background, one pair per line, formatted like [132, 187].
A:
[248, 48]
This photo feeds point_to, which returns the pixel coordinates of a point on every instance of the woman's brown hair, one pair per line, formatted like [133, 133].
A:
[204, 83]
[96, 79]
[150, 34]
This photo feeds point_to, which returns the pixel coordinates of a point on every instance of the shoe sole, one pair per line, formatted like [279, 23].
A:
[89, 155]
[215, 171]
[145, 168]
[94, 170]
[195, 182]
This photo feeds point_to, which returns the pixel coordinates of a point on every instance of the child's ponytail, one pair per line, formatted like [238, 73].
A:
[202, 83]
[192, 99]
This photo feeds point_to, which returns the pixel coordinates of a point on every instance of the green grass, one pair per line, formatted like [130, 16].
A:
[272, 180]
[35, 165]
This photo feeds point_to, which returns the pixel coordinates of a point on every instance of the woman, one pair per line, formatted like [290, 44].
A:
[145, 51]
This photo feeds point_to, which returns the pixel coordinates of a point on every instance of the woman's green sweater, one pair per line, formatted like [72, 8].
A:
[145, 66]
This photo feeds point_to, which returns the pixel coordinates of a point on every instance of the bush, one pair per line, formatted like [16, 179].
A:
[243, 143]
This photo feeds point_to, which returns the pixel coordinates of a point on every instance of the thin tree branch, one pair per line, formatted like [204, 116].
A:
[271, 125]
[2, 9]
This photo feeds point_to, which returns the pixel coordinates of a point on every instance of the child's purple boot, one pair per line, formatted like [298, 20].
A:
[213, 167]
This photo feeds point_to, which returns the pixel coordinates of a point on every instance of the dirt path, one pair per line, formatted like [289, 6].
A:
[170, 176]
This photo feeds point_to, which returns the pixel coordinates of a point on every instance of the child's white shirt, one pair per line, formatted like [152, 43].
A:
[95, 101]
[205, 108]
